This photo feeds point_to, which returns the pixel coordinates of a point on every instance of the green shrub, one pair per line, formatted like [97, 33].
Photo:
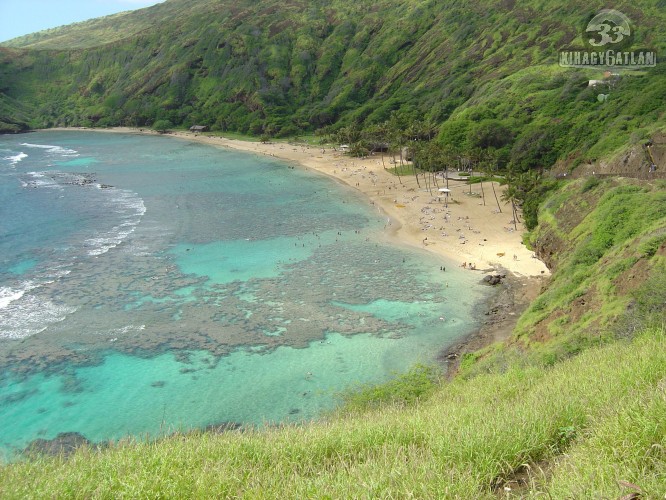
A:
[162, 126]
[650, 247]
[405, 389]
[590, 184]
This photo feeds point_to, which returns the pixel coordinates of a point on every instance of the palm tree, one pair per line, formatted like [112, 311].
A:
[485, 162]
[410, 137]
[491, 157]
[381, 134]
[511, 195]
[350, 134]
[429, 129]
[395, 140]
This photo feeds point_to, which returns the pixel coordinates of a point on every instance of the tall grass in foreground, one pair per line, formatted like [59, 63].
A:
[589, 422]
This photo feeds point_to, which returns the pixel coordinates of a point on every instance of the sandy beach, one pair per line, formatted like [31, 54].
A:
[462, 229]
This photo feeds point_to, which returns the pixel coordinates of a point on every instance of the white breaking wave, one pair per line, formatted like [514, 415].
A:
[40, 180]
[59, 150]
[127, 329]
[9, 295]
[24, 315]
[16, 158]
[127, 204]
[30, 316]
[132, 208]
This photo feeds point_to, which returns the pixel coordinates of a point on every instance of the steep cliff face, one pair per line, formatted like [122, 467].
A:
[605, 240]
[14, 114]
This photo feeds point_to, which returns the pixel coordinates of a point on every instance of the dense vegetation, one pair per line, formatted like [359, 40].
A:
[486, 72]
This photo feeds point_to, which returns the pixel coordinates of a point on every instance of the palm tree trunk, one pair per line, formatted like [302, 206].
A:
[492, 184]
[515, 215]
[415, 174]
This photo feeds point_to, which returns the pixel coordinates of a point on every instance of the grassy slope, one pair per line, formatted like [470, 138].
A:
[90, 33]
[606, 241]
[592, 420]
[99, 31]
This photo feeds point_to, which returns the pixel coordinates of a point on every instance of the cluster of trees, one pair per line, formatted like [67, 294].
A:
[428, 152]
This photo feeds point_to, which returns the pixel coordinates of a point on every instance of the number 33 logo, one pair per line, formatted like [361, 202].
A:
[612, 27]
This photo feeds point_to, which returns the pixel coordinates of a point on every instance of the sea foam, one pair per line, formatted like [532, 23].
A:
[29, 316]
[13, 160]
[9, 295]
[55, 150]
[23, 315]
[131, 207]
[40, 180]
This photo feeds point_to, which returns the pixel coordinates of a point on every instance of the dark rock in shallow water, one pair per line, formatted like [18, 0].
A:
[494, 279]
[158, 383]
[17, 397]
[221, 427]
[183, 356]
[64, 443]
[79, 179]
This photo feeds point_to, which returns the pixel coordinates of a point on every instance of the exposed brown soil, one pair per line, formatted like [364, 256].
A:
[634, 162]
[521, 481]
[636, 275]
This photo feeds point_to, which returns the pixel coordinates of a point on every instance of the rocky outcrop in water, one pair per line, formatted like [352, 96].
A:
[222, 427]
[494, 279]
[64, 443]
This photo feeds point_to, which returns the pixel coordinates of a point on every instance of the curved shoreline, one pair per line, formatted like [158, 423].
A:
[421, 220]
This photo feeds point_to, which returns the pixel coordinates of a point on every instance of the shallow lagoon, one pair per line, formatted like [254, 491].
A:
[151, 284]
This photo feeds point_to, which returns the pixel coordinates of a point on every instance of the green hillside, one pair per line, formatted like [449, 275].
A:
[605, 241]
[90, 33]
[284, 68]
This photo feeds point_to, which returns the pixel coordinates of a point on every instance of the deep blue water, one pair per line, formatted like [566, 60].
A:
[149, 284]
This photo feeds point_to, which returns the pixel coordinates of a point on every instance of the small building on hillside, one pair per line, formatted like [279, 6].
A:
[198, 128]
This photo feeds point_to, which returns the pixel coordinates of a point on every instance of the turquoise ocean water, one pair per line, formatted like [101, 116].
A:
[151, 284]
